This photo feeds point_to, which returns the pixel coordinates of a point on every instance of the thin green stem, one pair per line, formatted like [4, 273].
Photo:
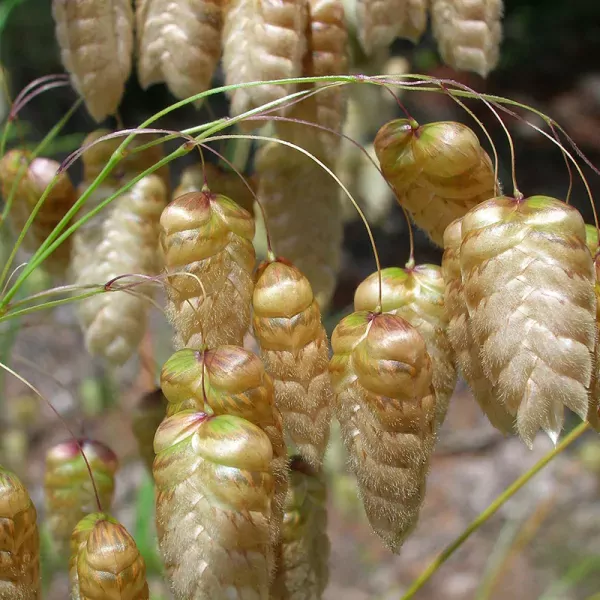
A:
[491, 509]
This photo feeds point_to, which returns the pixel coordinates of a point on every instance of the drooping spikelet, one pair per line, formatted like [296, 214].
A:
[213, 506]
[262, 40]
[468, 33]
[69, 490]
[37, 173]
[207, 244]
[304, 569]
[147, 415]
[417, 295]
[303, 215]
[439, 171]
[115, 322]
[528, 281]
[461, 337]
[385, 403]
[293, 345]
[179, 43]
[105, 561]
[19, 541]
[96, 44]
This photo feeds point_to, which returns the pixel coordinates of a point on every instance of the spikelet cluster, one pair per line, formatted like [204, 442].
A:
[19, 541]
[214, 490]
[385, 403]
[147, 415]
[36, 175]
[96, 46]
[293, 345]
[417, 295]
[439, 171]
[69, 491]
[105, 561]
[178, 43]
[468, 33]
[207, 244]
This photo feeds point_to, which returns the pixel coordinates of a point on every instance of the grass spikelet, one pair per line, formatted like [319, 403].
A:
[96, 45]
[417, 295]
[293, 345]
[385, 403]
[214, 488]
[439, 171]
[148, 414]
[69, 492]
[19, 541]
[105, 561]
[529, 286]
[178, 43]
[468, 33]
[207, 239]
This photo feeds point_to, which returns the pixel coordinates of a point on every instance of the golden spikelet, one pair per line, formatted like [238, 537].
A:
[468, 33]
[147, 415]
[19, 541]
[179, 43]
[207, 244]
[461, 336]
[96, 44]
[439, 171]
[417, 295]
[528, 280]
[69, 490]
[385, 403]
[36, 176]
[293, 345]
[214, 489]
[105, 561]
[304, 569]
[303, 215]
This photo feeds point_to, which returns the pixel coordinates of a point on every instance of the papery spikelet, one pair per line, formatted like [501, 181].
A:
[439, 171]
[96, 44]
[207, 244]
[105, 561]
[262, 40]
[303, 215]
[179, 43]
[468, 33]
[529, 286]
[461, 337]
[213, 506]
[385, 403]
[147, 415]
[304, 569]
[293, 345]
[417, 295]
[19, 541]
[68, 488]
[115, 322]
[37, 173]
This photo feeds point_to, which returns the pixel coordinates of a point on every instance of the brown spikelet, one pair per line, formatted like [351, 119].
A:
[528, 281]
[96, 44]
[417, 295]
[147, 415]
[385, 403]
[36, 176]
[105, 561]
[293, 345]
[304, 569]
[439, 171]
[262, 40]
[19, 541]
[303, 215]
[214, 489]
[179, 43]
[468, 33]
[207, 244]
